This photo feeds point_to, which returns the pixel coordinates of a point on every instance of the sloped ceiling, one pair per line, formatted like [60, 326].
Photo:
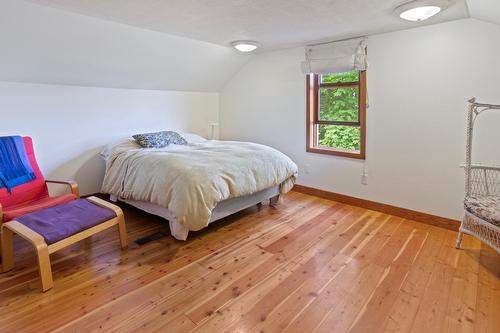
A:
[274, 23]
[179, 44]
[45, 45]
[486, 10]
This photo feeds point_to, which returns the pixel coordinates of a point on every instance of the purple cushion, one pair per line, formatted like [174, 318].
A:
[60, 222]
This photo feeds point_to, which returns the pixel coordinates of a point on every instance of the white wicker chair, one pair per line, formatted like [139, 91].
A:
[482, 190]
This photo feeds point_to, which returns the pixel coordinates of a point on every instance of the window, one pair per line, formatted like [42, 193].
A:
[336, 114]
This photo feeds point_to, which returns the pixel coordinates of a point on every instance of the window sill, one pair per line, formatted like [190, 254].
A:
[336, 152]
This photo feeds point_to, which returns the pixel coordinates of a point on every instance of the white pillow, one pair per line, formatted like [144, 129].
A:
[193, 138]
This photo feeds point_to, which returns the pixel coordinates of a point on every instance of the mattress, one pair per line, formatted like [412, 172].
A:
[192, 180]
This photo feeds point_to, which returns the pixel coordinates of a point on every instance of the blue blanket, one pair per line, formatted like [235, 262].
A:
[15, 168]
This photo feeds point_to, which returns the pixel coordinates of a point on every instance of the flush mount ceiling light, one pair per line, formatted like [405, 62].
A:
[419, 10]
[245, 45]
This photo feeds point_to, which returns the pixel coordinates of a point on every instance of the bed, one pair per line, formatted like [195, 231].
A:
[196, 184]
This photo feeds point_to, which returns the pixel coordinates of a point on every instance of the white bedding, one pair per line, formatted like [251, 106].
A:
[223, 209]
[191, 180]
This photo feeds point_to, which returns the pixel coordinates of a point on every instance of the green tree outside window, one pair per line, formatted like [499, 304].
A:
[339, 104]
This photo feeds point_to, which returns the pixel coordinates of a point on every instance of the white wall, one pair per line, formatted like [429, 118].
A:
[486, 10]
[418, 84]
[70, 125]
[71, 58]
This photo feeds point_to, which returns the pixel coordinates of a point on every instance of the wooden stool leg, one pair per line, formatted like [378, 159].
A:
[42, 251]
[7, 249]
[45, 270]
[119, 215]
[123, 231]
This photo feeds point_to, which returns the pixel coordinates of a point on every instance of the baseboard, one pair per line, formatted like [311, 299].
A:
[408, 214]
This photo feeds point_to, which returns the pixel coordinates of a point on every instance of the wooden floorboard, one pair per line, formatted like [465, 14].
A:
[308, 265]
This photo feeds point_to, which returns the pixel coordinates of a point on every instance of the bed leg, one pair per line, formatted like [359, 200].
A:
[178, 231]
[275, 201]
[459, 240]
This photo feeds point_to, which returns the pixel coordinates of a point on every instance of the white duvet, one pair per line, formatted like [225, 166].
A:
[191, 180]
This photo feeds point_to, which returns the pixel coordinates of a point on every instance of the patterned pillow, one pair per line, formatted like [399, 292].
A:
[159, 139]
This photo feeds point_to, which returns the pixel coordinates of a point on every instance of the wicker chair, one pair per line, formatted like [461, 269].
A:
[482, 190]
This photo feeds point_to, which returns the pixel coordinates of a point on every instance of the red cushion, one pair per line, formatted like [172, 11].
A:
[28, 192]
[13, 212]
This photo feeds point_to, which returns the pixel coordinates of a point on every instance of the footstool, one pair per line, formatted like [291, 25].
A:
[52, 229]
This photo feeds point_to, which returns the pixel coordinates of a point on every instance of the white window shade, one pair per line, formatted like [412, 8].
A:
[336, 57]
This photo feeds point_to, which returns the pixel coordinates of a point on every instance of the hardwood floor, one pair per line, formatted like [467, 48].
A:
[309, 265]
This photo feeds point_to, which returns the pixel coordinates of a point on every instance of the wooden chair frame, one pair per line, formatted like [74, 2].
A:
[43, 250]
[73, 186]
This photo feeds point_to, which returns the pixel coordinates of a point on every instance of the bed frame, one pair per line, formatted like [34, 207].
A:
[223, 208]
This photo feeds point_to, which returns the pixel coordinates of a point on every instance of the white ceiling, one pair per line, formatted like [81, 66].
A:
[486, 10]
[275, 24]
[44, 45]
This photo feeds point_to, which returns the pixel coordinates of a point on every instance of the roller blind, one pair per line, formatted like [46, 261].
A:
[336, 57]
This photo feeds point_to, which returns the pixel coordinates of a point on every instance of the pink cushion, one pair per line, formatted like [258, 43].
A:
[15, 211]
[31, 191]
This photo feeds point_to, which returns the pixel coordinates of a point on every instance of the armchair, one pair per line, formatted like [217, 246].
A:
[33, 195]
[482, 189]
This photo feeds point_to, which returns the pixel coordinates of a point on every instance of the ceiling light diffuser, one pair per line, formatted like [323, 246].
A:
[420, 10]
[245, 45]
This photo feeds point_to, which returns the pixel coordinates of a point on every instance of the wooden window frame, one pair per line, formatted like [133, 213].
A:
[312, 122]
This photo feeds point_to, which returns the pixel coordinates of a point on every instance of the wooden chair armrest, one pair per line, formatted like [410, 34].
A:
[71, 183]
[1, 213]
